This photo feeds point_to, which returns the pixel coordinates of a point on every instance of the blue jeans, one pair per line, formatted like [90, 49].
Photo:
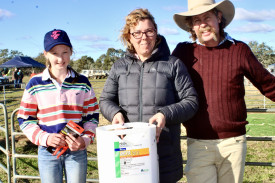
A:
[74, 164]
[15, 83]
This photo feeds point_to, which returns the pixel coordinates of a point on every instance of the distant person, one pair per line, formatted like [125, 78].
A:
[9, 76]
[4, 71]
[15, 78]
[20, 76]
[217, 64]
[53, 98]
[9, 73]
[149, 85]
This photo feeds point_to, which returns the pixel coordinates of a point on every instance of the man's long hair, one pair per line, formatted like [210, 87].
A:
[193, 35]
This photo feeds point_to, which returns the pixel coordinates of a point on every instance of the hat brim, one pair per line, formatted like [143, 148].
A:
[48, 48]
[226, 7]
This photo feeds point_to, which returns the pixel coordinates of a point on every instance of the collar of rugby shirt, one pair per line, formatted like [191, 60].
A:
[46, 75]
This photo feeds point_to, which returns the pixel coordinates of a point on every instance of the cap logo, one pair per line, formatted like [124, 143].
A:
[55, 34]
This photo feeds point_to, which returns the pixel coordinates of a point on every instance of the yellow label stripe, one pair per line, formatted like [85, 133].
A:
[134, 153]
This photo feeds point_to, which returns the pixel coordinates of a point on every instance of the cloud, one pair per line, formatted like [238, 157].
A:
[24, 38]
[175, 8]
[93, 38]
[168, 31]
[254, 16]
[95, 49]
[100, 46]
[5, 14]
[254, 28]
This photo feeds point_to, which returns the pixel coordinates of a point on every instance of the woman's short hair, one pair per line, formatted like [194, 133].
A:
[132, 20]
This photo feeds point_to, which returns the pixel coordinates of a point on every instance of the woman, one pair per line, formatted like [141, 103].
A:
[149, 85]
[52, 99]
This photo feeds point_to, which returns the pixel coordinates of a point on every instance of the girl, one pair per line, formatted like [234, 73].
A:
[52, 99]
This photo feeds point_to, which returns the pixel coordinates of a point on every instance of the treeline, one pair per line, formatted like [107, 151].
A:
[105, 61]
[264, 53]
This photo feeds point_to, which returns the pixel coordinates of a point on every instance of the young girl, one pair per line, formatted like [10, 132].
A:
[51, 99]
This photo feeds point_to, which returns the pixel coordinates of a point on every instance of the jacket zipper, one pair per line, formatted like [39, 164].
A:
[140, 92]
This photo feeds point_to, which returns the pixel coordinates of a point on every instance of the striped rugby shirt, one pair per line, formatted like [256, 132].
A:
[46, 107]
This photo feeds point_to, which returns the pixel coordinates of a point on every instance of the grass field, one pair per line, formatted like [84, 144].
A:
[260, 124]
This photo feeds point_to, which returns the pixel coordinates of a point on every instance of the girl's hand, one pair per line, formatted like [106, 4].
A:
[75, 144]
[56, 140]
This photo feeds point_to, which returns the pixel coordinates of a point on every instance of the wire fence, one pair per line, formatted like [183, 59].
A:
[10, 100]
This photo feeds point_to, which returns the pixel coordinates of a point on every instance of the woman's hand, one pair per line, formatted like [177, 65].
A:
[75, 144]
[56, 140]
[159, 120]
[118, 119]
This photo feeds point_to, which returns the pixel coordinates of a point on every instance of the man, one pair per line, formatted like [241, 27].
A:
[217, 65]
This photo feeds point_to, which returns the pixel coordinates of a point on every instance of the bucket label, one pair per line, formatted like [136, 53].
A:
[130, 160]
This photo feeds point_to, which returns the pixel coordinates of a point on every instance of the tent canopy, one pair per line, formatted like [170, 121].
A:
[19, 62]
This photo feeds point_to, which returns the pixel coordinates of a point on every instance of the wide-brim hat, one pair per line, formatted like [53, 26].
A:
[197, 7]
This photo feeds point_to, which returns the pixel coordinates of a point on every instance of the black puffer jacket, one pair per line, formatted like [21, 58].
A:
[141, 89]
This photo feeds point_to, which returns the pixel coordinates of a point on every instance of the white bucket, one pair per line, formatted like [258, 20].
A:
[132, 159]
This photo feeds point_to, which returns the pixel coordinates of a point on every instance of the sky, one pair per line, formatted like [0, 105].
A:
[94, 25]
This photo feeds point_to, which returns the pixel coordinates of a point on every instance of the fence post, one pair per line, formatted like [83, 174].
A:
[6, 150]
[4, 94]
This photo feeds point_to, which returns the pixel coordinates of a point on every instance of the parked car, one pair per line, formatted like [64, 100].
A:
[95, 73]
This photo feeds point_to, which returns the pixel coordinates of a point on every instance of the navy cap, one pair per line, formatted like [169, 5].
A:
[56, 37]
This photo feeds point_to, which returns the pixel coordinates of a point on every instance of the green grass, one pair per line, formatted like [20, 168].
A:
[261, 124]
[259, 152]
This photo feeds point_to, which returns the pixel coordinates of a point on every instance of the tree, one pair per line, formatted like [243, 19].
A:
[40, 58]
[72, 63]
[265, 54]
[111, 56]
[6, 55]
[99, 62]
[85, 62]
[105, 61]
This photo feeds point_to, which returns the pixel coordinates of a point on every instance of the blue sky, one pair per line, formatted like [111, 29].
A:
[94, 25]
